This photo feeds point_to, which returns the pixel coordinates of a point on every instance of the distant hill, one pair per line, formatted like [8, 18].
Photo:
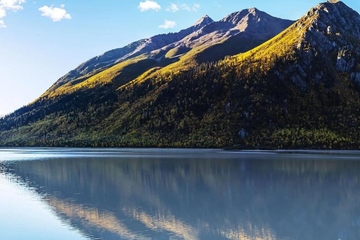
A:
[248, 80]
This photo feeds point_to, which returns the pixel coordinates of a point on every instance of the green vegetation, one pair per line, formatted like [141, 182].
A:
[176, 52]
[204, 107]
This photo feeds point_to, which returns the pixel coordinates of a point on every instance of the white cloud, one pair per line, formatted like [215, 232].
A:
[173, 8]
[54, 13]
[168, 24]
[149, 5]
[12, 5]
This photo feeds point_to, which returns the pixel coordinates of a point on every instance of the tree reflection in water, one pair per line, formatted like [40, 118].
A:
[257, 197]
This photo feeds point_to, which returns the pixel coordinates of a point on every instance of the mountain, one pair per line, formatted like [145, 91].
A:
[132, 50]
[216, 86]
[328, 36]
[233, 34]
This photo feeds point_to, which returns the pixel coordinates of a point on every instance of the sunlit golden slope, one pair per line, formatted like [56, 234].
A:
[115, 75]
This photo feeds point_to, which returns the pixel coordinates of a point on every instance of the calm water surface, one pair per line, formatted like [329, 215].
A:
[178, 194]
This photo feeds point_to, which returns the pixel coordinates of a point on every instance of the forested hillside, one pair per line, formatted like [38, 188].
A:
[299, 89]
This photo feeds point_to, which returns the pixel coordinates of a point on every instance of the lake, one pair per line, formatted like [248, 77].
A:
[56, 193]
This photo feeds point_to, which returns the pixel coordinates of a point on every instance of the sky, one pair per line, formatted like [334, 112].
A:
[42, 40]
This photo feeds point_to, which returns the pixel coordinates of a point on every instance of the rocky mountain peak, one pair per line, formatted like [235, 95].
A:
[253, 11]
[236, 17]
[255, 23]
[249, 16]
[331, 32]
[333, 20]
[205, 20]
[335, 14]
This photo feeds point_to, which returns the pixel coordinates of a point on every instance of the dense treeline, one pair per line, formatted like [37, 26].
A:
[245, 103]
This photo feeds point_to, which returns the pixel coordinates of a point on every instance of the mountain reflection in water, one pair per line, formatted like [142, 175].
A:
[260, 197]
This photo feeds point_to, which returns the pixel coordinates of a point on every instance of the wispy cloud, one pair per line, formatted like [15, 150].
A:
[196, 7]
[12, 5]
[168, 24]
[54, 13]
[183, 6]
[173, 8]
[149, 5]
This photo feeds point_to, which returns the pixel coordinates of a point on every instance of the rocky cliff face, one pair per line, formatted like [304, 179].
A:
[255, 23]
[334, 27]
[328, 40]
[249, 23]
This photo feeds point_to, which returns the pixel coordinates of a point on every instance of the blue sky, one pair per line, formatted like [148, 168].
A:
[40, 40]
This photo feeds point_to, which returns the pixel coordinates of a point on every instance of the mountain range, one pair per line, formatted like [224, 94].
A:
[248, 80]
[238, 32]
